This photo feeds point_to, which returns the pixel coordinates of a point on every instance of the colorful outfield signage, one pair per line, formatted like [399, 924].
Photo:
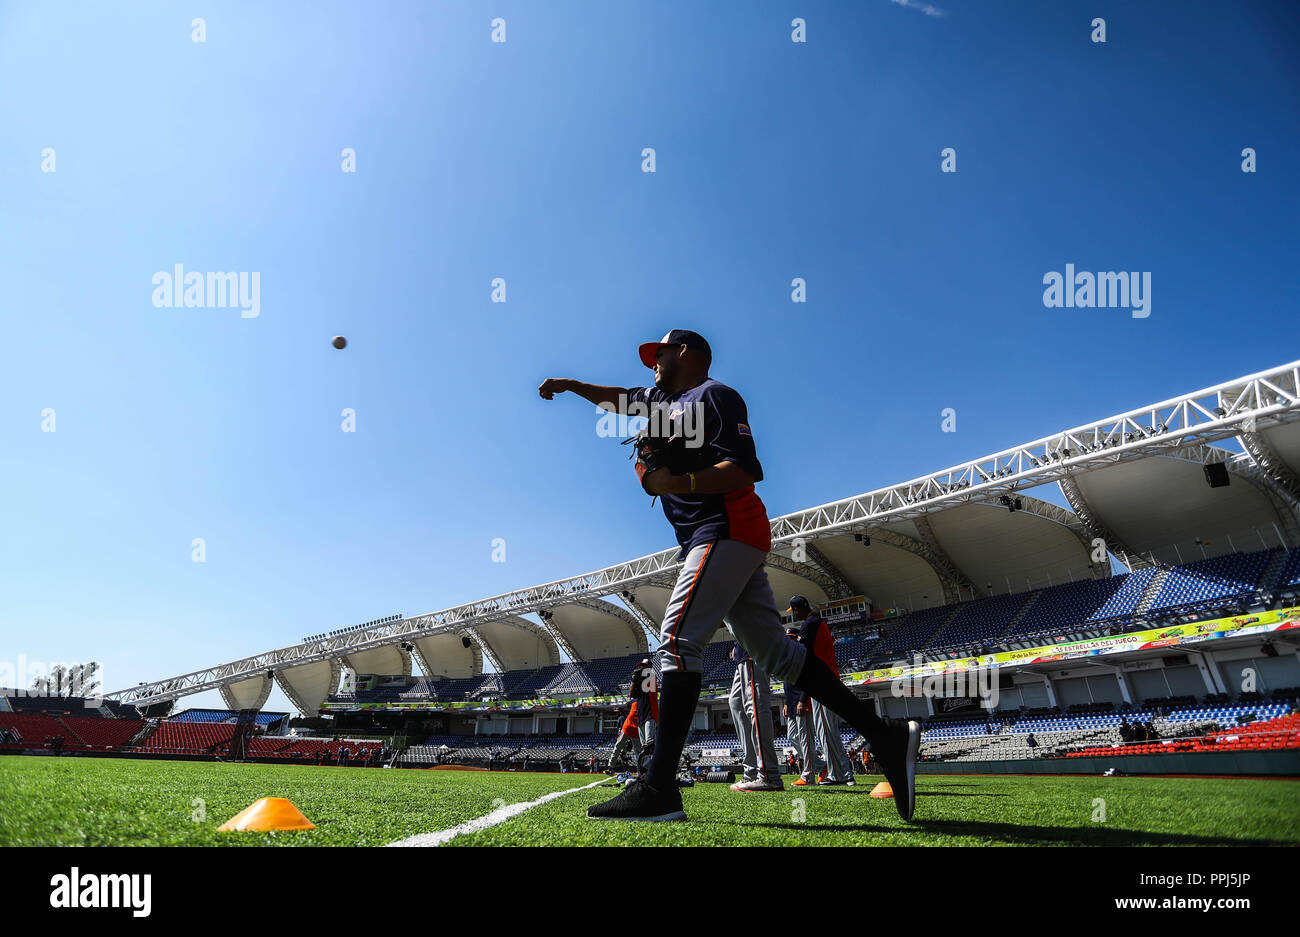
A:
[1171, 636]
[508, 705]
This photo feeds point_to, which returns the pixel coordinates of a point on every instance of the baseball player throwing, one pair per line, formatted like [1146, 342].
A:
[704, 467]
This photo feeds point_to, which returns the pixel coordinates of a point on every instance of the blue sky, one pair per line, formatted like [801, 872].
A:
[522, 160]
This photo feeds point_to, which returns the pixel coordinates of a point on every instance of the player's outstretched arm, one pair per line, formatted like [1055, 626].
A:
[614, 399]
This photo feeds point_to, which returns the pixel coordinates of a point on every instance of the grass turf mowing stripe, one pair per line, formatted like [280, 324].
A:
[986, 811]
[500, 815]
[71, 801]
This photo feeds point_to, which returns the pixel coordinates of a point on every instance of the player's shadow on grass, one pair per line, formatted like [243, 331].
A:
[1013, 835]
[866, 792]
[1097, 835]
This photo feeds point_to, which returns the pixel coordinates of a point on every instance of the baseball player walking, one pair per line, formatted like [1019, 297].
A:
[816, 636]
[707, 492]
[751, 712]
[799, 728]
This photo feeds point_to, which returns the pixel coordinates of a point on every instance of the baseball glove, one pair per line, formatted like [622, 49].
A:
[652, 452]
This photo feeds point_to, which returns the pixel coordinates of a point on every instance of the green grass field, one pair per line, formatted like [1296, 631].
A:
[85, 801]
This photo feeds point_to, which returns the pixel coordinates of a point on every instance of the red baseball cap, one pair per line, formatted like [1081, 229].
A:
[675, 337]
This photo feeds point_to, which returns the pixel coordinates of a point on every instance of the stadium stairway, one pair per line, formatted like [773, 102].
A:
[1271, 578]
[1024, 612]
[1152, 592]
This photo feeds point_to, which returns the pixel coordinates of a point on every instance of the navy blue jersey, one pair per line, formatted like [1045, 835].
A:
[719, 426]
[815, 635]
[792, 697]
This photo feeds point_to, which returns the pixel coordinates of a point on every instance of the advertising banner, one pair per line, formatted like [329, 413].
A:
[1168, 636]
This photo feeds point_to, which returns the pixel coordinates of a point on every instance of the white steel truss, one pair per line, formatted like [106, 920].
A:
[648, 624]
[1248, 404]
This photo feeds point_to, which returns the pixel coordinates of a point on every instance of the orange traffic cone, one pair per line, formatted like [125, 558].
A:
[269, 813]
[882, 790]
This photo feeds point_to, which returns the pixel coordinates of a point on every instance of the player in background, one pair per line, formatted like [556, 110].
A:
[799, 727]
[815, 635]
[645, 693]
[629, 737]
[643, 713]
[707, 495]
[751, 712]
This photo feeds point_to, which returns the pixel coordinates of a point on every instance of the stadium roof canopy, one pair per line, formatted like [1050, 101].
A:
[1136, 485]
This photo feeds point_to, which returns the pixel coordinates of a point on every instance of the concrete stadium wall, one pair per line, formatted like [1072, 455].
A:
[1282, 763]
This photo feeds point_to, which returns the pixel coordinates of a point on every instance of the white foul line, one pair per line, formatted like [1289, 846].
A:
[500, 815]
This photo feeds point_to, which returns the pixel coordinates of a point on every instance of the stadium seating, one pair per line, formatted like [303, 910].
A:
[507, 751]
[223, 715]
[1282, 732]
[854, 650]
[205, 715]
[718, 667]
[1216, 582]
[978, 622]
[103, 734]
[1064, 609]
[572, 679]
[1121, 606]
[1288, 580]
[33, 729]
[609, 673]
[188, 738]
[1074, 734]
[307, 749]
[916, 630]
[533, 682]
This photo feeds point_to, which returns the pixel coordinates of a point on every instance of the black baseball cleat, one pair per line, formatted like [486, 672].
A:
[898, 762]
[641, 802]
